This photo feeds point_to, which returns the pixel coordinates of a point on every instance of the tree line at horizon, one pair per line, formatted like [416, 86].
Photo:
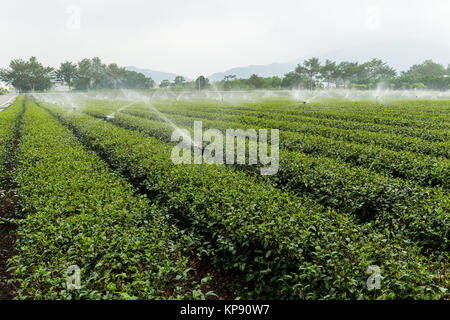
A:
[87, 74]
[92, 73]
[312, 74]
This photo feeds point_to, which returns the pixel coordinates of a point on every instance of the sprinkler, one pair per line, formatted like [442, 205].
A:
[105, 119]
[202, 150]
[304, 104]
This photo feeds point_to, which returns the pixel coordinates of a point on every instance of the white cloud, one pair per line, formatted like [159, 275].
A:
[204, 36]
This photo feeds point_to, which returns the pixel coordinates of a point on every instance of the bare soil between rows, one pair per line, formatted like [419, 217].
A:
[8, 205]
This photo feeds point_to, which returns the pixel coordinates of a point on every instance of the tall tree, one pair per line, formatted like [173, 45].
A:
[116, 73]
[229, 77]
[135, 80]
[256, 81]
[348, 71]
[164, 84]
[274, 82]
[201, 83]
[17, 74]
[98, 71]
[179, 81]
[27, 75]
[85, 72]
[377, 71]
[427, 68]
[328, 71]
[227, 81]
[67, 73]
[291, 80]
[310, 70]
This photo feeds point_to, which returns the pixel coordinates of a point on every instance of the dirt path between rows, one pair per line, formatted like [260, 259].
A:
[8, 205]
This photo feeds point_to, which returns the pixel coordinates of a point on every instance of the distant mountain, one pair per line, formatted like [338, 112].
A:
[274, 69]
[157, 76]
[398, 54]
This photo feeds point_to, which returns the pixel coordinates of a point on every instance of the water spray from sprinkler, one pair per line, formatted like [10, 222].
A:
[105, 119]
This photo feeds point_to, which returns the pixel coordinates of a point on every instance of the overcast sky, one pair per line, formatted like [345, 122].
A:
[193, 37]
